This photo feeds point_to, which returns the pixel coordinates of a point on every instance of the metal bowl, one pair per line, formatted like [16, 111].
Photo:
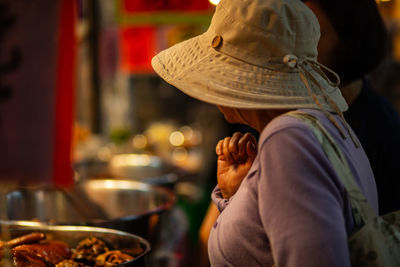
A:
[72, 235]
[138, 167]
[126, 205]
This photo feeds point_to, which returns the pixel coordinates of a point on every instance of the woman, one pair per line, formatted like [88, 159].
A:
[347, 31]
[283, 204]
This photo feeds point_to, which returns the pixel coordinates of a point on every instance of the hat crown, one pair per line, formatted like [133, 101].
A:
[257, 31]
[257, 54]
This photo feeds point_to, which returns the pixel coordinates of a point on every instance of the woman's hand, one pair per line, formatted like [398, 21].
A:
[235, 157]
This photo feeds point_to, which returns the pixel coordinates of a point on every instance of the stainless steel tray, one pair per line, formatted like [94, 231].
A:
[72, 235]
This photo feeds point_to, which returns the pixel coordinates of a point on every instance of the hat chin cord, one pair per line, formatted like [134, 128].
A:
[292, 61]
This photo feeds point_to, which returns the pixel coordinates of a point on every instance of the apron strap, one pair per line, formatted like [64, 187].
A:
[361, 209]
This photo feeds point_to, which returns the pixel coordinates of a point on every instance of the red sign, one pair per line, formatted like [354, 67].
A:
[133, 6]
[137, 48]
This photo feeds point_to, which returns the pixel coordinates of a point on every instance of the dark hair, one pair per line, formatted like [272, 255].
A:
[362, 36]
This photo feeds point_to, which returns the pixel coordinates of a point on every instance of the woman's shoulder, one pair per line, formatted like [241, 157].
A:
[284, 124]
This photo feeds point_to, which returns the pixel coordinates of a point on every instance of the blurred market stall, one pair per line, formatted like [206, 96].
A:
[80, 102]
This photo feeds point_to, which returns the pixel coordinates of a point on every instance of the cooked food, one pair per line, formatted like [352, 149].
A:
[69, 263]
[111, 258]
[25, 239]
[33, 250]
[46, 253]
[88, 249]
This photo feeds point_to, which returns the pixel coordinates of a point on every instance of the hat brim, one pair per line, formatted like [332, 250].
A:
[202, 72]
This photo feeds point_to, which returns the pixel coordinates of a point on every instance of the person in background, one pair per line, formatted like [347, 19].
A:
[354, 42]
[279, 201]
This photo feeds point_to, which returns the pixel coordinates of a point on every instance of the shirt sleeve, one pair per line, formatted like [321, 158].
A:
[301, 202]
[218, 199]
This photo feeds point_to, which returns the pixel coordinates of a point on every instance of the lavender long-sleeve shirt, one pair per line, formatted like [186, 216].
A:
[291, 209]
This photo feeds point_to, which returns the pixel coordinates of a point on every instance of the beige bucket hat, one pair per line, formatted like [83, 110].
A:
[256, 54]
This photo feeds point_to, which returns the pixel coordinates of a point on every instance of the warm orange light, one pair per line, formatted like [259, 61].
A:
[176, 138]
[139, 141]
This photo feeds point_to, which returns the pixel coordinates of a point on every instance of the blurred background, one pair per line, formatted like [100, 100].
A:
[79, 100]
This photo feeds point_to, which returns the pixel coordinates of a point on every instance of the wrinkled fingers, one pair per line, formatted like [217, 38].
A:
[251, 150]
[218, 148]
[234, 144]
[247, 141]
[225, 149]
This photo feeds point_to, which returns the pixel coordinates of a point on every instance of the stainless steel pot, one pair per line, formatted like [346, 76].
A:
[137, 167]
[72, 235]
[126, 205]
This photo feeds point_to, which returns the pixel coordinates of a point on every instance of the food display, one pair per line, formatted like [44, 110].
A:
[34, 249]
